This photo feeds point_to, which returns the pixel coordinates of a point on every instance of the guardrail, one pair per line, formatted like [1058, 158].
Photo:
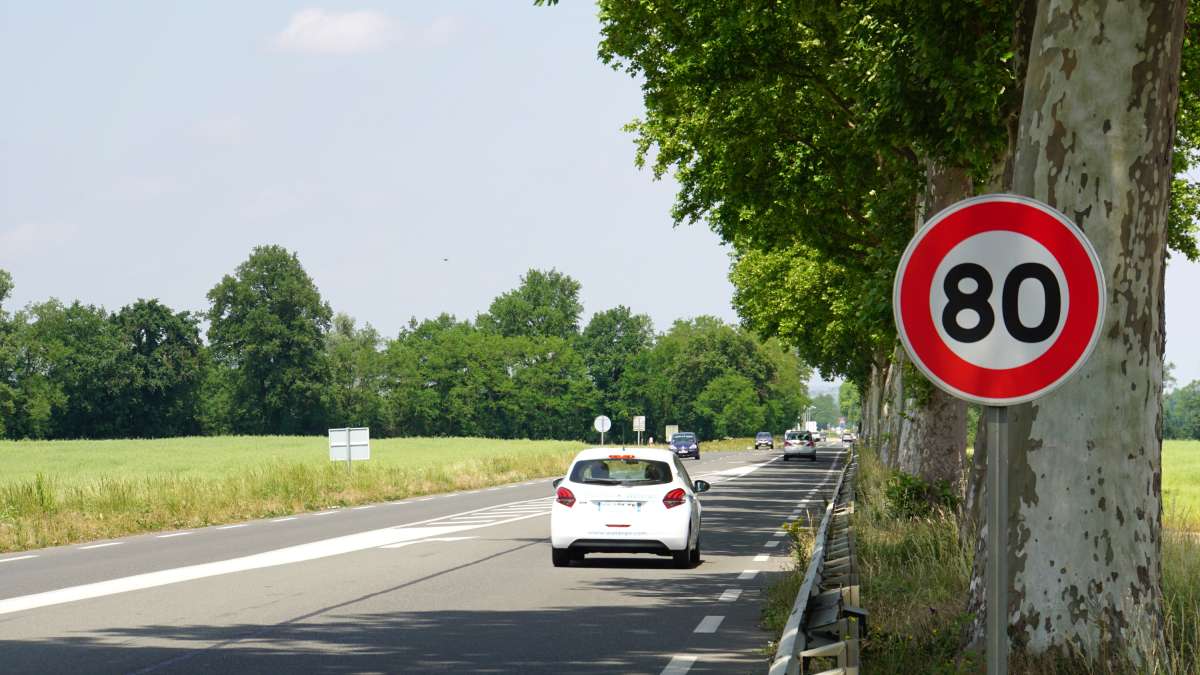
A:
[826, 621]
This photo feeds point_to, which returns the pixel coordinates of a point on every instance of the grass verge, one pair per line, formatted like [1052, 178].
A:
[915, 577]
[61, 492]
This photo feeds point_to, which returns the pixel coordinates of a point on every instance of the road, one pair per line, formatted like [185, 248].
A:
[459, 582]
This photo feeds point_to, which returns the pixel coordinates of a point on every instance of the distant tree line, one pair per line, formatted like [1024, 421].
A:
[275, 359]
[1181, 412]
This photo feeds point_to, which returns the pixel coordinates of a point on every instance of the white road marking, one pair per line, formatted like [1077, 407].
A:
[20, 557]
[283, 520]
[730, 594]
[292, 554]
[421, 541]
[773, 543]
[361, 508]
[747, 575]
[709, 624]
[426, 499]
[680, 664]
[105, 544]
[399, 503]
[173, 534]
[231, 527]
[761, 557]
[325, 513]
[778, 533]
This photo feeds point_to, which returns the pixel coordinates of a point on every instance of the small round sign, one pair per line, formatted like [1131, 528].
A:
[999, 299]
[602, 423]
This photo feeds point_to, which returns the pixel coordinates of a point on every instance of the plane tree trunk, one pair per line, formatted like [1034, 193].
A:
[1095, 137]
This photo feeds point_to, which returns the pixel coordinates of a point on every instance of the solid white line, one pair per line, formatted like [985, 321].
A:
[283, 520]
[400, 503]
[173, 534]
[426, 499]
[363, 508]
[20, 557]
[110, 543]
[231, 527]
[761, 557]
[709, 624]
[747, 574]
[730, 595]
[680, 664]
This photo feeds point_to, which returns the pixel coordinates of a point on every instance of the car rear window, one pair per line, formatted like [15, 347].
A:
[621, 471]
[683, 438]
[792, 435]
[763, 434]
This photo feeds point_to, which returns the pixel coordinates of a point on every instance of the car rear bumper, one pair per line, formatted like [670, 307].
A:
[800, 452]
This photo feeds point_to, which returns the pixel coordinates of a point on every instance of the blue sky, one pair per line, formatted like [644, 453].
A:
[419, 157]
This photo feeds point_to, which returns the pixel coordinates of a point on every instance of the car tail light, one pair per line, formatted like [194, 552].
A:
[674, 498]
[565, 497]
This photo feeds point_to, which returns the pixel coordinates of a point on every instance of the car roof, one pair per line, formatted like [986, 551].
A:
[635, 452]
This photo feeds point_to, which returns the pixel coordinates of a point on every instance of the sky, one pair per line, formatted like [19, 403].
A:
[418, 157]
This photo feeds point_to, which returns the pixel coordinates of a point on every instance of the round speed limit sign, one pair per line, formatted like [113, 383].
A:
[999, 299]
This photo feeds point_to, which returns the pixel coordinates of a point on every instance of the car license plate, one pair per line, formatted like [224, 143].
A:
[620, 507]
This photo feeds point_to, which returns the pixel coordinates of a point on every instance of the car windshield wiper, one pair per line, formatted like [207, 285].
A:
[602, 481]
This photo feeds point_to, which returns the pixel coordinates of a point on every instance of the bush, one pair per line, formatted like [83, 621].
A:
[909, 496]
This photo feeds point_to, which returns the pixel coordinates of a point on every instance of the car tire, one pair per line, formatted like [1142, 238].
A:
[561, 557]
[697, 455]
[681, 559]
[695, 557]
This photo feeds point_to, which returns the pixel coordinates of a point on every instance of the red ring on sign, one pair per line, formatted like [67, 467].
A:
[958, 373]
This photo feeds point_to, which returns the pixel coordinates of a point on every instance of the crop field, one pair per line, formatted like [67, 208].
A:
[61, 492]
[1181, 484]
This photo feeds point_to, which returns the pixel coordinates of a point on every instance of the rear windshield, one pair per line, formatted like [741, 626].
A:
[764, 434]
[621, 472]
[795, 435]
[683, 438]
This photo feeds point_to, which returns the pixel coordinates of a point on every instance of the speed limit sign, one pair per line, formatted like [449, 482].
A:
[999, 299]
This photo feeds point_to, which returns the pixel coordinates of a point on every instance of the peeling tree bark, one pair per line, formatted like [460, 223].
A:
[1095, 136]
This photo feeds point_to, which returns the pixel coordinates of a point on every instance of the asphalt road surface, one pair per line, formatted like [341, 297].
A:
[459, 582]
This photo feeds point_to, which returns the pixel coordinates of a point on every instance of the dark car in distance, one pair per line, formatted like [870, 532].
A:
[764, 439]
[684, 444]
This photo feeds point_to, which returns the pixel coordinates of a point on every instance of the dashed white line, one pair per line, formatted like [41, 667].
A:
[363, 508]
[173, 534]
[778, 533]
[283, 520]
[773, 543]
[709, 624]
[105, 544]
[762, 557]
[730, 594]
[426, 499]
[747, 575]
[680, 664]
[232, 527]
[20, 557]
[324, 513]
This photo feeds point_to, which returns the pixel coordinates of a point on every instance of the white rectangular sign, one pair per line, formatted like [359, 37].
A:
[639, 423]
[671, 430]
[358, 439]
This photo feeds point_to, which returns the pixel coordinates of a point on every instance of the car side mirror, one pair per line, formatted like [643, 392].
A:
[701, 486]
[557, 481]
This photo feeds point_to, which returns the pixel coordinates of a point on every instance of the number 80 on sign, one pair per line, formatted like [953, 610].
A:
[999, 299]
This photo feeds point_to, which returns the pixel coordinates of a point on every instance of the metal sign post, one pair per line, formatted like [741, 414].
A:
[602, 424]
[996, 572]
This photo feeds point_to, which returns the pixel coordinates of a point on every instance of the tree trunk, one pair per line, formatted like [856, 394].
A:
[891, 417]
[933, 436]
[871, 406]
[1095, 136]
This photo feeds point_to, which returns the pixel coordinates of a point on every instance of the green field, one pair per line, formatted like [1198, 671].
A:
[61, 492]
[1181, 484]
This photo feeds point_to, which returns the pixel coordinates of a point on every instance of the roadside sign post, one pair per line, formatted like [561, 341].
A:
[602, 424]
[349, 444]
[639, 425]
[998, 300]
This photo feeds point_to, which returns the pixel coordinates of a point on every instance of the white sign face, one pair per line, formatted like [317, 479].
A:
[602, 424]
[999, 299]
[359, 440]
[639, 423]
[670, 431]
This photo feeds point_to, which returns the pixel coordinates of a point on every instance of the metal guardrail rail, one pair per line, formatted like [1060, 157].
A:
[826, 621]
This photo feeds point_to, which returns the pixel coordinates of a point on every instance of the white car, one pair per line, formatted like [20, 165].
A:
[626, 501]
